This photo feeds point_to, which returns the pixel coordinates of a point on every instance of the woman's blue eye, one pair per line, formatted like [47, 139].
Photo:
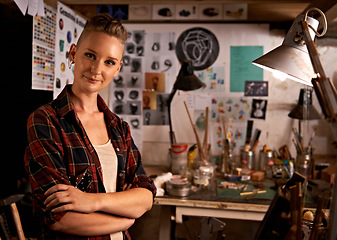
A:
[110, 62]
[90, 55]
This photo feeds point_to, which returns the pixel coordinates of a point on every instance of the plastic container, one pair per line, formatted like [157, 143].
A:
[178, 158]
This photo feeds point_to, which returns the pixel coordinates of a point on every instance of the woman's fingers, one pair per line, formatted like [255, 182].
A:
[63, 197]
[56, 195]
[56, 188]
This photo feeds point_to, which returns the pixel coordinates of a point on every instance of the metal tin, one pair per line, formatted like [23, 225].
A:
[178, 187]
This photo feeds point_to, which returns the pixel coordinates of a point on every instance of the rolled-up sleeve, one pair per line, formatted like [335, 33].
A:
[43, 162]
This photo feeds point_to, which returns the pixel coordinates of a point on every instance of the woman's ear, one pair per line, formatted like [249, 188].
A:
[118, 70]
[72, 53]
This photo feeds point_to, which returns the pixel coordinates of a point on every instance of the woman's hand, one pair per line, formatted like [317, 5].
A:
[63, 197]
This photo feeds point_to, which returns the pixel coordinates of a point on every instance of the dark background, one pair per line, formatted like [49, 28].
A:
[16, 98]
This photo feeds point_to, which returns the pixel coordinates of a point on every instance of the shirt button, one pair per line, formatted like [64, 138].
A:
[121, 174]
[117, 149]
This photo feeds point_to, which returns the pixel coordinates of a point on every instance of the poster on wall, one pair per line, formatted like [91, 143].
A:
[241, 67]
[199, 45]
[43, 62]
[69, 26]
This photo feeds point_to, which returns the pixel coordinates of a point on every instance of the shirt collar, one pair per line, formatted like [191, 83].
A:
[64, 106]
[62, 103]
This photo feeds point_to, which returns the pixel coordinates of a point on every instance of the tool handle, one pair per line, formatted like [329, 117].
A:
[17, 221]
[201, 149]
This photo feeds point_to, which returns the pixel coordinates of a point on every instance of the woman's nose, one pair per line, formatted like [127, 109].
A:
[96, 68]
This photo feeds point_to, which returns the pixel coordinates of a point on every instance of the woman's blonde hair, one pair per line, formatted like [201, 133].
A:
[106, 24]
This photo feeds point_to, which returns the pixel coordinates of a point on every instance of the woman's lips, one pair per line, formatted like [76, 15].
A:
[92, 79]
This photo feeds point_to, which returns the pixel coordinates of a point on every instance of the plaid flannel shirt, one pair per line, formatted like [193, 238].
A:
[59, 152]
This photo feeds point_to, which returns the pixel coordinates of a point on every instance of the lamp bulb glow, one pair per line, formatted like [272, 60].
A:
[279, 75]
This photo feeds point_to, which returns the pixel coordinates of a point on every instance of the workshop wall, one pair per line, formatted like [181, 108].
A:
[283, 96]
[276, 128]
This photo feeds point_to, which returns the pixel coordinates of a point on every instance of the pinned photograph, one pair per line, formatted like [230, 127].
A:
[155, 82]
[149, 100]
[163, 12]
[187, 11]
[157, 115]
[235, 11]
[259, 108]
[256, 88]
[117, 11]
[210, 11]
[140, 12]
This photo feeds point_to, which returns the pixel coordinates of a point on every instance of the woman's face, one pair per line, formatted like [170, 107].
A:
[97, 59]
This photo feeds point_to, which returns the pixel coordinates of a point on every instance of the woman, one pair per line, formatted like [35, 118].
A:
[87, 178]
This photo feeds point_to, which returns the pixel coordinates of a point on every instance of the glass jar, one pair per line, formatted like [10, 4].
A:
[303, 164]
[205, 176]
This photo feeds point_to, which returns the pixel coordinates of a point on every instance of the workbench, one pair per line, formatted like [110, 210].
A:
[207, 203]
[215, 202]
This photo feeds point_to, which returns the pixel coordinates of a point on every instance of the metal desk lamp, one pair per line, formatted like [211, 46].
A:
[185, 81]
[292, 59]
[304, 110]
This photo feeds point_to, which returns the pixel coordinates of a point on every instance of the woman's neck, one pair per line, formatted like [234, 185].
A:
[86, 103]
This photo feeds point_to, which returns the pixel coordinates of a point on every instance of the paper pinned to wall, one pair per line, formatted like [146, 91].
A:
[236, 108]
[213, 79]
[43, 53]
[69, 26]
[241, 67]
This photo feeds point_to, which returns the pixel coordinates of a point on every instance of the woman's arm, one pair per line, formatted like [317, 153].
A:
[131, 203]
[92, 224]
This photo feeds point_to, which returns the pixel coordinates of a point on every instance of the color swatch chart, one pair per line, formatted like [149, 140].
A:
[43, 50]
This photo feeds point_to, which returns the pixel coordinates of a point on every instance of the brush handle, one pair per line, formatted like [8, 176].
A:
[201, 149]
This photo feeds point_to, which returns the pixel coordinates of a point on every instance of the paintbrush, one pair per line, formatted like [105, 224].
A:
[205, 143]
[249, 132]
[255, 139]
[201, 149]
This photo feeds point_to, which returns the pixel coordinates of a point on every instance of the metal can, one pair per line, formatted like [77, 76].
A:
[247, 159]
[303, 164]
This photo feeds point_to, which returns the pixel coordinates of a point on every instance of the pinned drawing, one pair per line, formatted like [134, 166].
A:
[198, 45]
[224, 109]
[256, 88]
[259, 108]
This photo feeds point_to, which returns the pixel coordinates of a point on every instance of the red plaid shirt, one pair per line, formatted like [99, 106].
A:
[60, 152]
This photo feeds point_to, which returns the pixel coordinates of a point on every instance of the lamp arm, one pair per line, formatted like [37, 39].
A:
[327, 96]
[324, 88]
[169, 101]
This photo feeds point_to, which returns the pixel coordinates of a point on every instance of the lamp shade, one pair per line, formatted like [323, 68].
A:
[304, 110]
[292, 57]
[186, 79]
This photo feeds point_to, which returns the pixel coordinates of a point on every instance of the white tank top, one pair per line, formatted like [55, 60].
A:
[108, 159]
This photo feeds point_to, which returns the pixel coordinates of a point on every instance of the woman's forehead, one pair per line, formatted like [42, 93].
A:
[101, 41]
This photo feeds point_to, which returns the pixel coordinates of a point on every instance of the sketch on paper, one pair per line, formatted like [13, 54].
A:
[256, 88]
[198, 45]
